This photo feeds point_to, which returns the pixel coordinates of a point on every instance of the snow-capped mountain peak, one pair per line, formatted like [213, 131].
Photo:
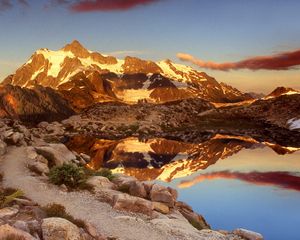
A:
[105, 78]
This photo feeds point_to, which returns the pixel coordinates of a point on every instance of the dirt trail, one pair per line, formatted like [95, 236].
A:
[81, 205]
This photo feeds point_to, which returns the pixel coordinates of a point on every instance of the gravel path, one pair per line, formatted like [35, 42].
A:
[81, 205]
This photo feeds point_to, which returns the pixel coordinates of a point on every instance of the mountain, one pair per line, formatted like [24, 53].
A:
[84, 77]
[32, 105]
[279, 91]
[280, 108]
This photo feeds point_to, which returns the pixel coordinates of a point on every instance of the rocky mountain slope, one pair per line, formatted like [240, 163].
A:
[32, 105]
[280, 108]
[86, 77]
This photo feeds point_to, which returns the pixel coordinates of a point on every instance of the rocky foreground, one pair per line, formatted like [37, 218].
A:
[105, 208]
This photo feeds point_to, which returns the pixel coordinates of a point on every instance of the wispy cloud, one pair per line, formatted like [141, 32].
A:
[9, 4]
[108, 5]
[281, 61]
[5, 5]
[277, 179]
[126, 52]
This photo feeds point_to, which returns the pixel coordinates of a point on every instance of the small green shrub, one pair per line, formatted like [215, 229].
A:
[105, 172]
[68, 174]
[7, 197]
[57, 210]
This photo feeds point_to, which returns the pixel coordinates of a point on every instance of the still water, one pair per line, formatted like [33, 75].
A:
[232, 181]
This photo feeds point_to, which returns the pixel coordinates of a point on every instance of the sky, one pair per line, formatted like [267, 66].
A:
[217, 32]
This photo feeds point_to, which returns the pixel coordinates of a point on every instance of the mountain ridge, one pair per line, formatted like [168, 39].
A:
[99, 78]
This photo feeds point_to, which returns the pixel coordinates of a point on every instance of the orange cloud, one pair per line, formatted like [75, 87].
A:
[278, 179]
[108, 5]
[281, 61]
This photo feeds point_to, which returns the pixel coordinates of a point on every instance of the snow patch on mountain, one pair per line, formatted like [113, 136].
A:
[167, 71]
[294, 123]
[134, 95]
[115, 68]
[55, 58]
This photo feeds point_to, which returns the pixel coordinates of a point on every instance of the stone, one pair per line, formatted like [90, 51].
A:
[34, 226]
[91, 230]
[125, 202]
[39, 165]
[182, 229]
[59, 228]
[137, 189]
[173, 192]
[6, 231]
[160, 193]
[21, 225]
[247, 234]
[195, 219]
[3, 148]
[161, 207]
[56, 153]
[43, 125]
[183, 205]
[8, 133]
[99, 182]
[17, 137]
[148, 186]
[85, 157]
[8, 212]
[121, 180]
[24, 130]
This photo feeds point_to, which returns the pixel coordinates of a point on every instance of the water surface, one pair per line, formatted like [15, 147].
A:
[233, 181]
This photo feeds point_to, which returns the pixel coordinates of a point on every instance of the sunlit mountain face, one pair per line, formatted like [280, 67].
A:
[84, 77]
[162, 159]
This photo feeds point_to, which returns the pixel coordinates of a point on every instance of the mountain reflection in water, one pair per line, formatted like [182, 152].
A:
[162, 159]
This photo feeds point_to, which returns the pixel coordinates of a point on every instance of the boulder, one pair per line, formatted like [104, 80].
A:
[39, 165]
[125, 202]
[58, 154]
[137, 189]
[160, 193]
[43, 125]
[85, 157]
[99, 182]
[3, 148]
[161, 207]
[24, 130]
[9, 232]
[182, 229]
[8, 212]
[13, 138]
[183, 205]
[55, 129]
[247, 234]
[22, 225]
[148, 186]
[122, 180]
[59, 228]
[195, 219]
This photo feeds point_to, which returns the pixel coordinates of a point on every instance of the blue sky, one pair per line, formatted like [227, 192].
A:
[215, 30]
